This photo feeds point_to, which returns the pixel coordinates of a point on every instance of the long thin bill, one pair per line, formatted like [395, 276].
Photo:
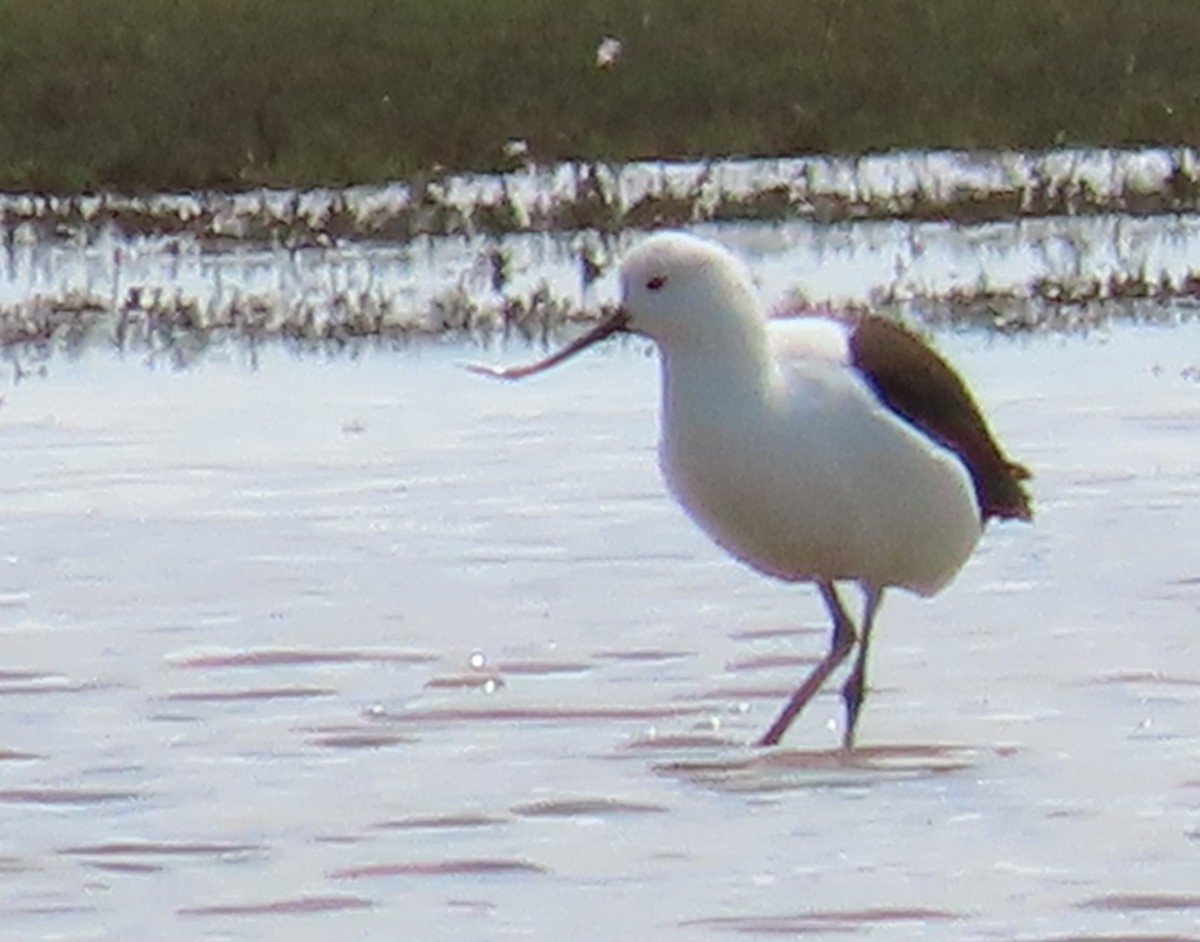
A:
[614, 323]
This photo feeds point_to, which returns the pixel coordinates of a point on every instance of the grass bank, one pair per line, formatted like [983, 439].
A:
[164, 94]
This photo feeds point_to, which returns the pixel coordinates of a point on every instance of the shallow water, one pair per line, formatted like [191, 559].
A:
[377, 648]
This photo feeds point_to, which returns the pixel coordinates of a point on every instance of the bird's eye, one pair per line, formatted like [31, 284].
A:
[656, 283]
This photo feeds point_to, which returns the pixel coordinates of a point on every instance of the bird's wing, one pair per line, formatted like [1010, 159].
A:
[916, 383]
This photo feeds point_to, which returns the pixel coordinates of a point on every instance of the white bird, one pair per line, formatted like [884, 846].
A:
[819, 449]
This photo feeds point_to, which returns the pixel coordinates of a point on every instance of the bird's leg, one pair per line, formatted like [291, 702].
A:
[840, 645]
[854, 690]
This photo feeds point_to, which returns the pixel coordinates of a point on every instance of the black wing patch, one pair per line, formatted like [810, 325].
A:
[917, 384]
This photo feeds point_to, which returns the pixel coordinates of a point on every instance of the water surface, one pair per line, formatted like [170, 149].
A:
[365, 648]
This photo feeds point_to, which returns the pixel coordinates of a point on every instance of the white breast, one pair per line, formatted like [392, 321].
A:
[810, 476]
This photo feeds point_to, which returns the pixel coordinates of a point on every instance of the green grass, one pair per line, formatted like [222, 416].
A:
[158, 94]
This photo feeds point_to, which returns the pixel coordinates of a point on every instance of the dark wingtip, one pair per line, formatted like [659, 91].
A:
[1019, 471]
[1006, 498]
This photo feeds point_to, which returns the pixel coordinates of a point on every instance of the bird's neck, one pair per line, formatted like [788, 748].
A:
[718, 372]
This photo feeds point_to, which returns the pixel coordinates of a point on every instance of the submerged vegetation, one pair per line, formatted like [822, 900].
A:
[155, 94]
[175, 329]
[966, 188]
[173, 297]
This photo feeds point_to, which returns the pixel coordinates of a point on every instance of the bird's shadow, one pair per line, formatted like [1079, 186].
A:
[752, 770]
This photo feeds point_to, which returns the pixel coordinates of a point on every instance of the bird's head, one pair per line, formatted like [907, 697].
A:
[683, 292]
[680, 290]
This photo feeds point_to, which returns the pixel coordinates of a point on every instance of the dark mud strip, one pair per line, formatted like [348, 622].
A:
[439, 821]
[819, 922]
[442, 868]
[300, 657]
[65, 796]
[299, 906]
[584, 807]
